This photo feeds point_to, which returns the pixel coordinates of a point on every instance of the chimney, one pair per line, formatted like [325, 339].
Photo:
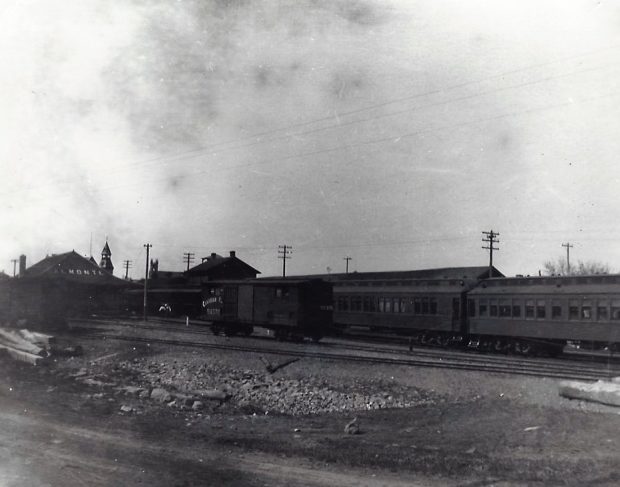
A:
[22, 264]
[232, 253]
[213, 255]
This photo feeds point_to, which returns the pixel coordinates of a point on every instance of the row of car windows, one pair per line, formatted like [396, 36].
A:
[422, 305]
[556, 309]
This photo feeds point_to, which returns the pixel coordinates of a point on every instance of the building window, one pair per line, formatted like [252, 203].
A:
[586, 310]
[516, 308]
[556, 310]
[602, 311]
[615, 310]
[541, 311]
[493, 307]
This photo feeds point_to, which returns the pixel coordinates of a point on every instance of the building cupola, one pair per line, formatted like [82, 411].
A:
[106, 258]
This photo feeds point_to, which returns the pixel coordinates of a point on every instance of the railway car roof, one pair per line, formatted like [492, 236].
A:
[607, 284]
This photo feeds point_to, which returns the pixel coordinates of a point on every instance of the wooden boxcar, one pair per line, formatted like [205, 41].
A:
[292, 308]
[426, 309]
[538, 311]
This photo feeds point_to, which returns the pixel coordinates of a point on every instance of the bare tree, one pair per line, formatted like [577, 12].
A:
[559, 268]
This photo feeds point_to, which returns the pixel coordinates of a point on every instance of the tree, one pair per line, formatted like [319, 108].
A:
[559, 268]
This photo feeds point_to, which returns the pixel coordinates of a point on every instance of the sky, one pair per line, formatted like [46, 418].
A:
[393, 132]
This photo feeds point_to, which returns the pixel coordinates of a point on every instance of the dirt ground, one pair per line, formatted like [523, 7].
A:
[63, 424]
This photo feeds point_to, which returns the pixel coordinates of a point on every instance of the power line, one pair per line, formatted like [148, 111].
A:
[568, 247]
[284, 252]
[347, 258]
[490, 239]
[189, 258]
[127, 264]
[359, 110]
[147, 246]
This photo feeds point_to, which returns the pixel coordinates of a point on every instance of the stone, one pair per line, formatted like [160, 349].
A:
[198, 405]
[161, 395]
[127, 409]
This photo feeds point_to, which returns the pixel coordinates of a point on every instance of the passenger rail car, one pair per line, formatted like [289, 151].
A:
[291, 308]
[428, 310]
[545, 312]
[527, 315]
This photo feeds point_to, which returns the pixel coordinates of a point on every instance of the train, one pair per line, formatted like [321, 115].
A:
[524, 315]
[292, 309]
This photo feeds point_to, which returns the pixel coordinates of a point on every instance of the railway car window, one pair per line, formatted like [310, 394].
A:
[615, 310]
[573, 309]
[417, 306]
[516, 308]
[388, 305]
[456, 307]
[493, 307]
[381, 305]
[556, 310]
[471, 307]
[504, 308]
[433, 305]
[356, 303]
[396, 305]
[529, 308]
[366, 303]
[602, 309]
[403, 305]
[424, 306]
[541, 310]
[586, 310]
[483, 309]
[343, 303]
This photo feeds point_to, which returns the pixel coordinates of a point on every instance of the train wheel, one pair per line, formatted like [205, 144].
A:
[443, 340]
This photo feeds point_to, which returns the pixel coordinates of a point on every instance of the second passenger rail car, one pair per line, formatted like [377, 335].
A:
[425, 309]
[291, 308]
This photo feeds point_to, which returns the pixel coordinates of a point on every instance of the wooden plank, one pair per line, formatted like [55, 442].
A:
[602, 391]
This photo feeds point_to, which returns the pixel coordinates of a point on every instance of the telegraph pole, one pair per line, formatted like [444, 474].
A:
[284, 252]
[347, 258]
[568, 246]
[146, 278]
[188, 257]
[14, 266]
[127, 266]
[491, 238]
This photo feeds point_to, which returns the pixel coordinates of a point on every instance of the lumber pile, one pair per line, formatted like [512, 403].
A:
[604, 392]
[26, 346]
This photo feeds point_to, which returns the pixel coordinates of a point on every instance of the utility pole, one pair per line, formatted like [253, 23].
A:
[568, 246]
[347, 258]
[188, 257]
[14, 266]
[127, 266]
[284, 252]
[146, 278]
[491, 238]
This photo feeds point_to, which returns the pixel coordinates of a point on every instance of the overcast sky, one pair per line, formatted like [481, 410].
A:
[393, 132]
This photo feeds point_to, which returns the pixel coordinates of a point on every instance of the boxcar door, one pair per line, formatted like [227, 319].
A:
[246, 303]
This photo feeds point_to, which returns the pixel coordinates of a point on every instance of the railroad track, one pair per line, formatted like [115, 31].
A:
[559, 365]
[534, 369]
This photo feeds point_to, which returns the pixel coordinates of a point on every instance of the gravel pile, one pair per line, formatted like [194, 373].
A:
[182, 383]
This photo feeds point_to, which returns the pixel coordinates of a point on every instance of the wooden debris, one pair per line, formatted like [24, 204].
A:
[603, 392]
[273, 368]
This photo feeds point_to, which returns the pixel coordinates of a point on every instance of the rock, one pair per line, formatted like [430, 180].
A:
[352, 428]
[144, 394]
[198, 405]
[161, 395]
[127, 409]
[132, 390]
